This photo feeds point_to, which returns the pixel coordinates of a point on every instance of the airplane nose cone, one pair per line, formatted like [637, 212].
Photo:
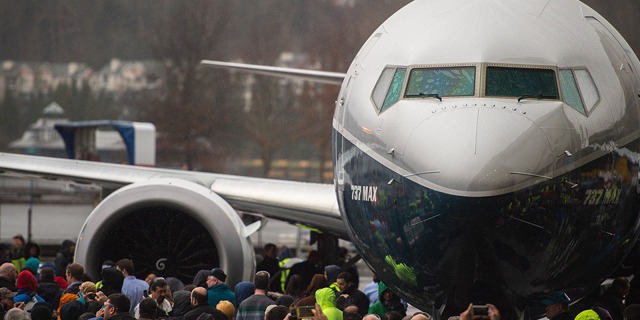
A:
[478, 151]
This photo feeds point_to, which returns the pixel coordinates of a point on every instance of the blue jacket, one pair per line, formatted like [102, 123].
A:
[219, 292]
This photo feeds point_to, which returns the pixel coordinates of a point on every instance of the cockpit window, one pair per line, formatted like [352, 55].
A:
[570, 90]
[521, 82]
[387, 90]
[393, 95]
[441, 82]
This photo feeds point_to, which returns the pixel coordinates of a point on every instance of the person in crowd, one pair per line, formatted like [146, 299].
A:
[48, 289]
[493, 313]
[88, 296]
[420, 316]
[64, 257]
[243, 290]
[5, 253]
[6, 299]
[371, 290]
[632, 312]
[159, 292]
[74, 274]
[371, 316]
[275, 312]
[331, 272]
[175, 284]
[227, 307]
[201, 305]
[613, 298]
[116, 307]
[308, 268]
[132, 287]
[112, 280]
[200, 280]
[318, 281]
[17, 247]
[253, 308]
[350, 315]
[72, 310]
[32, 264]
[346, 266]
[350, 295]
[181, 304]
[557, 306]
[147, 309]
[31, 250]
[150, 278]
[41, 312]
[326, 299]
[27, 286]
[296, 287]
[270, 262]
[392, 315]
[16, 314]
[217, 289]
[8, 276]
[387, 301]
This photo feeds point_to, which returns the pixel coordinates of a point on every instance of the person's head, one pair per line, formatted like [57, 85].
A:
[41, 313]
[556, 303]
[216, 276]
[392, 315]
[88, 290]
[270, 250]
[371, 316]
[351, 315]
[6, 296]
[148, 308]
[276, 312]
[318, 281]
[199, 296]
[26, 280]
[343, 280]
[17, 242]
[126, 267]
[159, 289]
[16, 314]
[116, 303]
[150, 278]
[314, 256]
[621, 286]
[47, 275]
[227, 308]
[632, 312]
[75, 272]
[261, 280]
[8, 270]
[331, 273]
[296, 286]
[31, 250]
[421, 316]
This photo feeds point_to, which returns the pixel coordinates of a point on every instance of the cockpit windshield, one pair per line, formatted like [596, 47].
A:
[441, 82]
[521, 83]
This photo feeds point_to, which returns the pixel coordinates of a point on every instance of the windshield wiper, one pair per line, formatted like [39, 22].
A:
[535, 96]
[429, 95]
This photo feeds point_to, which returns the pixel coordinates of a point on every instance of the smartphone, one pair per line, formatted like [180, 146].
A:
[304, 312]
[480, 310]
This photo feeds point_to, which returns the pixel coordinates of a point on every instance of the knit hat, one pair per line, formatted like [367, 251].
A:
[219, 274]
[227, 308]
[26, 280]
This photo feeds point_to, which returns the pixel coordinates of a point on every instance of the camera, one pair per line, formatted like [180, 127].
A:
[91, 296]
[480, 311]
[304, 312]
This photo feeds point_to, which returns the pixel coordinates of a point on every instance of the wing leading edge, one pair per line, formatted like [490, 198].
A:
[310, 204]
[327, 77]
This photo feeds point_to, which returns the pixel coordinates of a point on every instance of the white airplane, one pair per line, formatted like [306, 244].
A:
[484, 151]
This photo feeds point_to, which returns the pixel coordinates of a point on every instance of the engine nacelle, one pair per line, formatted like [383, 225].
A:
[170, 227]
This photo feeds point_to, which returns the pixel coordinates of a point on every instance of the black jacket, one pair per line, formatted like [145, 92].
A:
[353, 296]
[50, 292]
[197, 311]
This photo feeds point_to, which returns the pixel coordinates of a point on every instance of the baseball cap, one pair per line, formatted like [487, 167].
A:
[6, 293]
[557, 297]
[219, 274]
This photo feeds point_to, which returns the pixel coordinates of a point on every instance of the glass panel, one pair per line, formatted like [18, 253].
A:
[587, 88]
[458, 81]
[570, 91]
[519, 82]
[380, 90]
[393, 95]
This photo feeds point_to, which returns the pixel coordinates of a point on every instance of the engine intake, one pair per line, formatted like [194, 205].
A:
[169, 227]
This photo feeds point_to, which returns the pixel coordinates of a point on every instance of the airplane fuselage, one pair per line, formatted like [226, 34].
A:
[488, 151]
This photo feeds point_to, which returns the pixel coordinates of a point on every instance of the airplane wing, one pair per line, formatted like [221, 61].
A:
[310, 204]
[327, 77]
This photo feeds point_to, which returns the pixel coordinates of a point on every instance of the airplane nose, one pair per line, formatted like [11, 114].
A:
[478, 151]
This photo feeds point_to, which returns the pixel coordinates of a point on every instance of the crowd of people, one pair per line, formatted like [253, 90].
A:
[60, 290]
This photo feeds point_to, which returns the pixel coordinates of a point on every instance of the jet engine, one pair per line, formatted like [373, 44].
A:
[169, 227]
